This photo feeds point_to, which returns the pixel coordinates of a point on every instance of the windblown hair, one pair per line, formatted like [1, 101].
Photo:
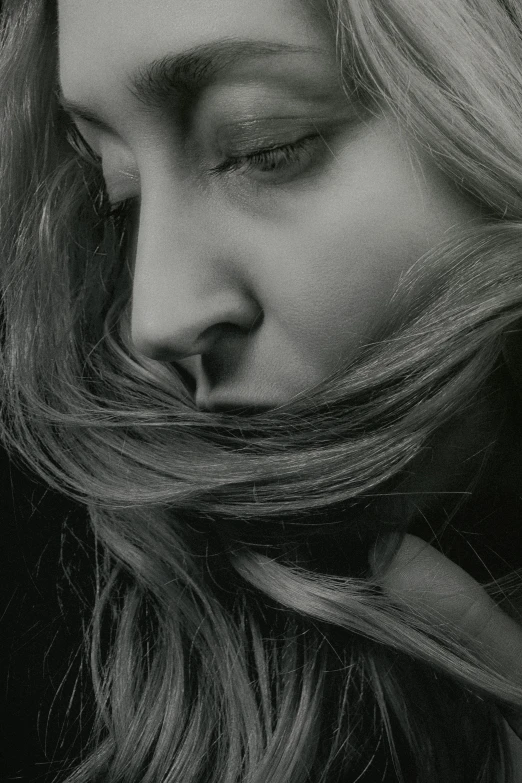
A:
[240, 632]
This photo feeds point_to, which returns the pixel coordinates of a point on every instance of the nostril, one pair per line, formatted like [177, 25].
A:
[187, 379]
[213, 355]
[226, 329]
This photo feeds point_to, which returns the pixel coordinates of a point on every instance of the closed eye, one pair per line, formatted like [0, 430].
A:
[276, 162]
[82, 148]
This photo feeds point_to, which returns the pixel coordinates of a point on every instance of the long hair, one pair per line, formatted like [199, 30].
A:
[241, 633]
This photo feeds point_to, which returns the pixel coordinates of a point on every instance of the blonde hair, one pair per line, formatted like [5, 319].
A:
[229, 641]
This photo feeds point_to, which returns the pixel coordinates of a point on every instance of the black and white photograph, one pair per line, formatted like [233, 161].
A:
[261, 391]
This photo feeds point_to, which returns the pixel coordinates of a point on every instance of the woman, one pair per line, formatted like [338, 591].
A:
[261, 284]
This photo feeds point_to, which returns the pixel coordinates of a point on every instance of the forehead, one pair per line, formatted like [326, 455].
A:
[103, 42]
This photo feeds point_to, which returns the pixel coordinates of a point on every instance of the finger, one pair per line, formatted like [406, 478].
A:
[427, 579]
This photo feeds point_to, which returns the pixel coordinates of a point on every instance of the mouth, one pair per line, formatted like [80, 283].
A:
[222, 401]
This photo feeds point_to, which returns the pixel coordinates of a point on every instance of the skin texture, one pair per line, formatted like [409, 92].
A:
[259, 281]
[262, 283]
[427, 578]
[430, 582]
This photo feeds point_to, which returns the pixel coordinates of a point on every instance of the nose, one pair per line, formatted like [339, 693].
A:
[186, 291]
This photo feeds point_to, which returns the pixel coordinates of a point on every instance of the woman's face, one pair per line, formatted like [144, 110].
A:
[273, 220]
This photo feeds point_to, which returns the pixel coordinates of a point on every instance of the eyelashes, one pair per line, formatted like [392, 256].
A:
[276, 164]
[270, 166]
[285, 160]
[81, 147]
[118, 213]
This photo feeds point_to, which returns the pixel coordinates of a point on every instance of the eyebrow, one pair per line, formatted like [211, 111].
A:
[181, 77]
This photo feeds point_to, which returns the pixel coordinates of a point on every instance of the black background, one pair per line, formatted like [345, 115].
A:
[42, 611]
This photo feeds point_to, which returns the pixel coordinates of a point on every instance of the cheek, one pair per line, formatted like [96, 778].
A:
[345, 250]
[340, 269]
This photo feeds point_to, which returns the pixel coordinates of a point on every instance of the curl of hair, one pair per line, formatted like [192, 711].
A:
[222, 647]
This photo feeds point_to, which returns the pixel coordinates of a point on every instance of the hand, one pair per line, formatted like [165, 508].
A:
[428, 579]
